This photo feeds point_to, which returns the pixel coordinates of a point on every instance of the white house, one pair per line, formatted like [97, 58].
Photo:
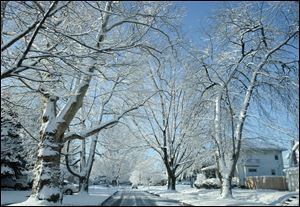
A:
[259, 157]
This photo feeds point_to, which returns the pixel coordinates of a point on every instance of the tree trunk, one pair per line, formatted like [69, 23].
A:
[192, 181]
[171, 182]
[226, 188]
[47, 181]
[83, 185]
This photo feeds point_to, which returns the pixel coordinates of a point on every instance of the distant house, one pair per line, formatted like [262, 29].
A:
[258, 157]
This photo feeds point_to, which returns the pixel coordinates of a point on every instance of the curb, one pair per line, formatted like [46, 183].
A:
[109, 197]
[185, 204]
[155, 194]
[180, 202]
[287, 201]
[283, 200]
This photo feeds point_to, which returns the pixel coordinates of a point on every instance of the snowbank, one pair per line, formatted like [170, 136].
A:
[210, 197]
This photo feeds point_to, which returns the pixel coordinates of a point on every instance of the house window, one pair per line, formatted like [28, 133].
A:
[251, 170]
[276, 157]
[273, 172]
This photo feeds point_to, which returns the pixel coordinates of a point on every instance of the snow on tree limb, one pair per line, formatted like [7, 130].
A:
[105, 125]
[8, 72]
[19, 36]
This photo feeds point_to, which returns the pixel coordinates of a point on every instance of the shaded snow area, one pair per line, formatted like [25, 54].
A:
[97, 194]
[6, 170]
[210, 197]
[8, 197]
[46, 192]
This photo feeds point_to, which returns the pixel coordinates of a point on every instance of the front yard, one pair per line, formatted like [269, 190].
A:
[97, 194]
[210, 197]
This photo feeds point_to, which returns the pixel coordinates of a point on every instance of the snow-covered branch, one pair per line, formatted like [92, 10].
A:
[19, 36]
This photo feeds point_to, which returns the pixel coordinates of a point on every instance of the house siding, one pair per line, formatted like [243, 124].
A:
[261, 161]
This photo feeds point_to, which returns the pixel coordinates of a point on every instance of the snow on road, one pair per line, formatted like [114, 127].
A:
[138, 198]
[97, 194]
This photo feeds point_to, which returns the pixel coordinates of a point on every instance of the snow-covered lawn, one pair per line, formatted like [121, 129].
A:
[210, 197]
[8, 197]
[97, 194]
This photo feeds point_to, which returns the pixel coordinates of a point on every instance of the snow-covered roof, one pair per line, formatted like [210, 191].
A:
[260, 144]
[212, 167]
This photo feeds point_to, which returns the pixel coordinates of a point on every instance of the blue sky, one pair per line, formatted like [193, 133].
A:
[196, 16]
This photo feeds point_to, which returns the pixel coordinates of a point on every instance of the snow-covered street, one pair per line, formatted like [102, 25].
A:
[138, 198]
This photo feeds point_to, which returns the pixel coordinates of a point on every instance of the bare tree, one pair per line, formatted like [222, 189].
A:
[166, 123]
[117, 156]
[108, 101]
[256, 48]
[58, 58]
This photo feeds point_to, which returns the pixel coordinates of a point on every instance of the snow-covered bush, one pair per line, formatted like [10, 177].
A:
[202, 182]
[200, 177]
[158, 178]
[235, 182]
[209, 183]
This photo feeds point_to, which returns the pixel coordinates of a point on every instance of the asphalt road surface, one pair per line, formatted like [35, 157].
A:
[137, 198]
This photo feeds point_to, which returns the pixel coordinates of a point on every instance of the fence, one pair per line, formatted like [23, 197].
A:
[266, 182]
[292, 178]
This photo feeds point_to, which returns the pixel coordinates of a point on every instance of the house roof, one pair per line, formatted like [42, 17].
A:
[260, 144]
